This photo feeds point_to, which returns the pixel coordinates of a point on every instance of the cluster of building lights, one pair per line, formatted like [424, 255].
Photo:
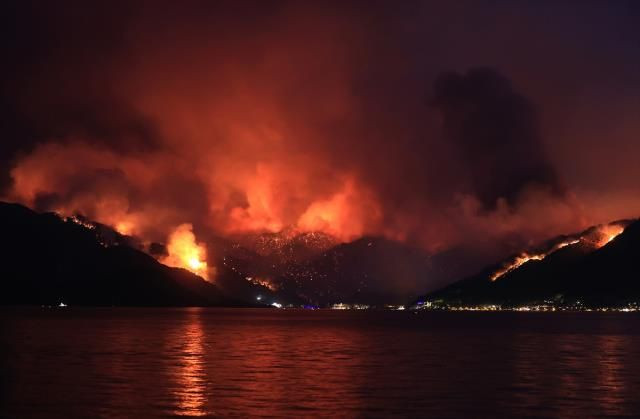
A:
[337, 306]
[343, 306]
[543, 307]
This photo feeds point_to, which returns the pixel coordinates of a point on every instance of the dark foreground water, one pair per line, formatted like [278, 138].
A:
[243, 362]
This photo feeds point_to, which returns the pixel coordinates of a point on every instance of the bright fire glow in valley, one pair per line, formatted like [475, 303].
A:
[184, 252]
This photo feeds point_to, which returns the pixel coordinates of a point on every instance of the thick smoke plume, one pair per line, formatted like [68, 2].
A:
[497, 133]
[248, 117]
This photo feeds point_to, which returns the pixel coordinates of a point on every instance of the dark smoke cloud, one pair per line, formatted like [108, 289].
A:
[56, 79]
[497, 133]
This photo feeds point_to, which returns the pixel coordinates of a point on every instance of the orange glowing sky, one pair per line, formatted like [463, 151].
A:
[241, 118]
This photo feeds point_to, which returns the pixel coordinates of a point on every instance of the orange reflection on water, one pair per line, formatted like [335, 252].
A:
[288, 366]
[611, 385]
[190, 372]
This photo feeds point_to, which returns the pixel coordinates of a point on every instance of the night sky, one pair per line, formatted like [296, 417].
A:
[489, 124]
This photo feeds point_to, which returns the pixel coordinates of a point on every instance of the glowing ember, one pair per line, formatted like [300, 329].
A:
[82, 222]
[515, 264]
[606, 233]
[526, 257]
[185, 252]
[265, 282]
[603, 235]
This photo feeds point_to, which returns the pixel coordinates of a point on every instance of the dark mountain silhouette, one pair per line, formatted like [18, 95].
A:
[583, 271]
[610, 275]
[311, 269]
[370, 271]
[45, 259]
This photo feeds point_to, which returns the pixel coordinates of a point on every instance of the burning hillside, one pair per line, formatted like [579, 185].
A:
[320, 122]
[596, 236]
[525, 257]
[597, 266]
[184, 252]
[49, 259]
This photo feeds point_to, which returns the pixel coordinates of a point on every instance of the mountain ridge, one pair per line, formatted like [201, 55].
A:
[594, 267]
[47, 260]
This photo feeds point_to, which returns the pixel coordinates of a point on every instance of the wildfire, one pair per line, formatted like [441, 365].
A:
[608, 232]
[125, 227]
[343, 215]
[515, 264]
[265, 282]
[526, 257]
[185, 252]
[603, 235]
[80, 221]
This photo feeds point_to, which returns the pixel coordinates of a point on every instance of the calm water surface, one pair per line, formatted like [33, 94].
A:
[245, 362]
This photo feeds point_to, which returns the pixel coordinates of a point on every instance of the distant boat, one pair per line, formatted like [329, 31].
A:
[62, 304]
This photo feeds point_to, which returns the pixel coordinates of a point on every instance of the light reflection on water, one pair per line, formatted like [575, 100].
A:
[214, 362]
[187, 368]
[611, 352]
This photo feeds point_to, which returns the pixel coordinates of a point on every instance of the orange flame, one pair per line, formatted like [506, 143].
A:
[603, 235]
[265, 282]
[525, 257]
[125, 227]
[185, 252]
[608, 232]
[343, 215]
